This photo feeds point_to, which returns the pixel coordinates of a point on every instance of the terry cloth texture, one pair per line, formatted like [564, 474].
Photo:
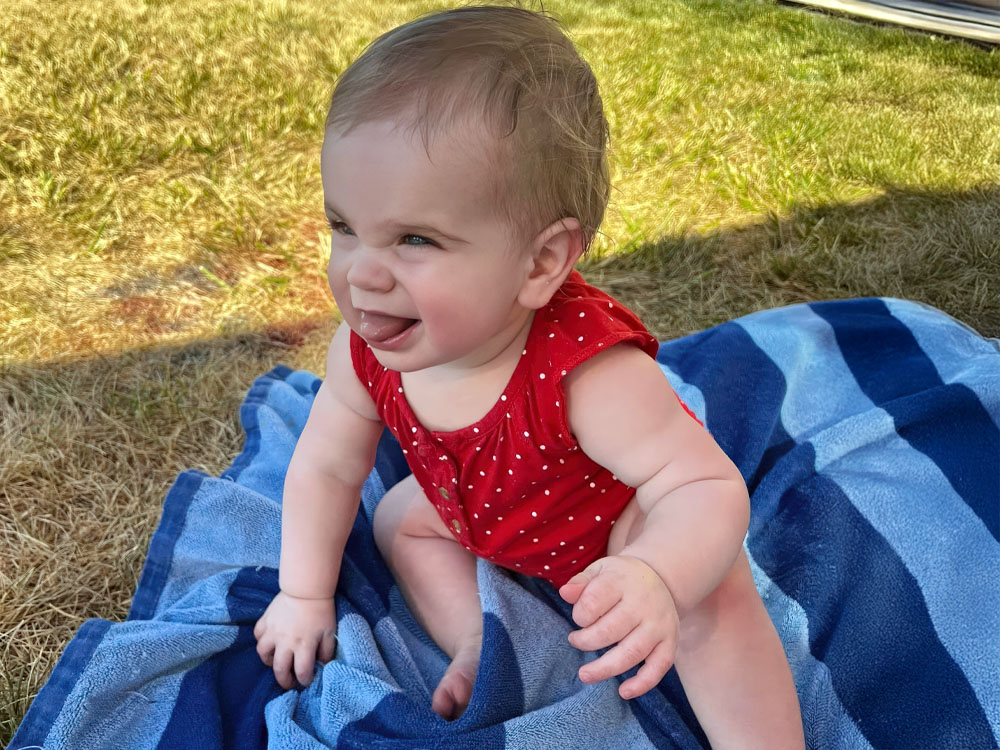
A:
[867, 431]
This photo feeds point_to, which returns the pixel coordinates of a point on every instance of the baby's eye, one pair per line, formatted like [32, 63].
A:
[418, 240]
[339, 227]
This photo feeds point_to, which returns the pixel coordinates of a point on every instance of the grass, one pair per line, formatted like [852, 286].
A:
[161, 238]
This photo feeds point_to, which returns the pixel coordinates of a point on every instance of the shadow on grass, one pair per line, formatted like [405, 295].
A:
[941, 248]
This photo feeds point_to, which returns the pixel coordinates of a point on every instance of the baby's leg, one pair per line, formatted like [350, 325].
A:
[734, 670]
[730, 660]
[437, 577]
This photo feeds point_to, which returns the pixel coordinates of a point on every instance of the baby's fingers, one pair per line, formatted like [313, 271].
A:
[657, 664]
[305, 663]
[599, 596]
[610, 628]
[631, 650]
[282, 663]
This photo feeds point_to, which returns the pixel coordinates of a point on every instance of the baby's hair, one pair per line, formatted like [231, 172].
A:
[516, 72]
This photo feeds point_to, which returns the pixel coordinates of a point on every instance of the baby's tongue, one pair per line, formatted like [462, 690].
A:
[378, 327]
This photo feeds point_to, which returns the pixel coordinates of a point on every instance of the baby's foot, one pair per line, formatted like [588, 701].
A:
[452, 694]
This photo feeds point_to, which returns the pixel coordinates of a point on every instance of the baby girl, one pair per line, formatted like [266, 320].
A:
[464, 173]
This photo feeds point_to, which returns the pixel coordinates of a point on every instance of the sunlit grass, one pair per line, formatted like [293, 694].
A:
[159, 185]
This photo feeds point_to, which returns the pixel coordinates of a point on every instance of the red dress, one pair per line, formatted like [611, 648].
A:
[515, 488]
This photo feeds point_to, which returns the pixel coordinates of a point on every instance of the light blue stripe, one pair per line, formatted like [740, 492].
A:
[957, 352]
[125, 696]
[899, 491]
[828, 725]
[689, 394]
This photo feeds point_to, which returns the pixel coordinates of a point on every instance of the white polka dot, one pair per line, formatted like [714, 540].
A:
[534, 514]
[551, 336]
[562, 544]
[553, 554]
[517, 455]
[524, 352]
[535, 540]
[482, 473]
[541, 376]
[546, 567]
[404, 451]
[510, 471]
[475, 429]
[488, 531]
[544, 467]
[486, 505]
[573, 562]
[557, 403]
[499, 518]
[400, 389]
[503, 398]
[547, 492]
[470, 486]
[517, 565]
[527, 434]
[571, 518]
[581, 546]
[475, 515]
[414, 429]
[583, 315]
[369, 382]
[479, 447]
[498, 489]
[522, 531]
[494, 458]
[580, 338]
[592, 485]
[597, 518]
[541, 447]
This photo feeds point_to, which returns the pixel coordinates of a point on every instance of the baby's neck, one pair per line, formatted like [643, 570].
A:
[455, 395]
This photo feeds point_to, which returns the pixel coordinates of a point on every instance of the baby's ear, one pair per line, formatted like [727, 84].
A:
[554, 252]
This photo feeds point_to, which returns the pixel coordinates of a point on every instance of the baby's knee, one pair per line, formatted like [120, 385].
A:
[404, 512]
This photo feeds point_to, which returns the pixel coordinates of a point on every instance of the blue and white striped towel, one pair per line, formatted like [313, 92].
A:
[867, 431]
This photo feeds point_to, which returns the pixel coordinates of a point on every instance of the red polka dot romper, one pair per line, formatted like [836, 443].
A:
[515, 488]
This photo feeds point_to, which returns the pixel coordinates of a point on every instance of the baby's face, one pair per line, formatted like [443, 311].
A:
[420, 266]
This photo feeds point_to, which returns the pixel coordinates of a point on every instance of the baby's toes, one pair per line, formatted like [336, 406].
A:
[451, 696]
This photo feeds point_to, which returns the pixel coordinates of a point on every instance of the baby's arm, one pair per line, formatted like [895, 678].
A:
[625, 417]
[333, 457]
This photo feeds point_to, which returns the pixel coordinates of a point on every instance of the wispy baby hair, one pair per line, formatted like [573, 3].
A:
[514, 71]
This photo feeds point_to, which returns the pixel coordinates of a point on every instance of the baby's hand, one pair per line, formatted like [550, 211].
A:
[293, 633]
[620, 599]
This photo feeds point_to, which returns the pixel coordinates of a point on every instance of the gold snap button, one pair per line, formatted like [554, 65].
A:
[456, 525]
[444, 493]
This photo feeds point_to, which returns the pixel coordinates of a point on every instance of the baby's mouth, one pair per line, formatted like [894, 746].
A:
[378, 327]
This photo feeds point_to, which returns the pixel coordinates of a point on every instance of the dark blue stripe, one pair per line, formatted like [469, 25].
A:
[947, 423]
[743, 391]
[161, 547]
[867, 620]
[48, 704]
[401, 721]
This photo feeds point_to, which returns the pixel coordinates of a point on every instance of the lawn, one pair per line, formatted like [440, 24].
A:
[162, 240]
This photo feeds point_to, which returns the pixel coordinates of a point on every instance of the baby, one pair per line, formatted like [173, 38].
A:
[464, 173]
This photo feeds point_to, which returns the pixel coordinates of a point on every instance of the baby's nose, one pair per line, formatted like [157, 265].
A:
[368, 273]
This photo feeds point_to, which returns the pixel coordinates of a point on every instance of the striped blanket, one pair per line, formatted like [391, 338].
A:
[867, 431]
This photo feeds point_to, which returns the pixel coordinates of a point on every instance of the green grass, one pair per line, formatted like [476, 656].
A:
[160, 222]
